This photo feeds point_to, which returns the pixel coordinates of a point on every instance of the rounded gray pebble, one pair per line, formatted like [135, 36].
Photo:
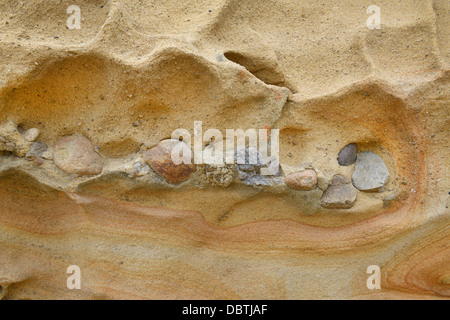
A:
[347, 156]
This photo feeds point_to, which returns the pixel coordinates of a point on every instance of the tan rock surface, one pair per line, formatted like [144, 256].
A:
[137, 71]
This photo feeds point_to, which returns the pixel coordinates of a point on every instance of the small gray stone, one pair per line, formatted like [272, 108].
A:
[371, 174]
[340, 194]
[36, 151]
[76, 154]
[249, 163]
[347, 156]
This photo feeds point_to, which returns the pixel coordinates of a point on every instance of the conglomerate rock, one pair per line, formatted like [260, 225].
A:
[86, 179]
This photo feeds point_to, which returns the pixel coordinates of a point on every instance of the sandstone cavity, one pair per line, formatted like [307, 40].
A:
[76, 154]
[141, 227]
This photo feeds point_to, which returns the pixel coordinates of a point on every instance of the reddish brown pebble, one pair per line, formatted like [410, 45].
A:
[159, 158]
[305, 180]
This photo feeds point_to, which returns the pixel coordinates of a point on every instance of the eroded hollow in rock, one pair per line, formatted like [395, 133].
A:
[264, 69]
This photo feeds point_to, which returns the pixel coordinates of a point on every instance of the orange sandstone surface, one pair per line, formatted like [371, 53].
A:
[82, 181]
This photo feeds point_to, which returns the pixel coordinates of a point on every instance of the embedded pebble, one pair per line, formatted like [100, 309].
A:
[249, 171]
[38, 161]
[388, 199]
[76, 154]
[9, 146]
[139, 169]
[31, 134]
[347, 156]
[220, 175]
[36, 151]
[305, 180]
[340, 194]
[159, 158]
[371, 173]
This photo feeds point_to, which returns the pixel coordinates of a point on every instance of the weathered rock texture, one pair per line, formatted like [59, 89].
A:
[138, 70]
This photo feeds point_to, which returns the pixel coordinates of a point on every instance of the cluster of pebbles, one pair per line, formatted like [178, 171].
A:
[370, 175]
[76, 154]
[23, 143]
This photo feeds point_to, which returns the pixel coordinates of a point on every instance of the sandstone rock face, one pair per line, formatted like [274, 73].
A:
[160, 160]
[319, 74]
[305, 180]
[76, 154]
[340, 194]
[371, 173]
